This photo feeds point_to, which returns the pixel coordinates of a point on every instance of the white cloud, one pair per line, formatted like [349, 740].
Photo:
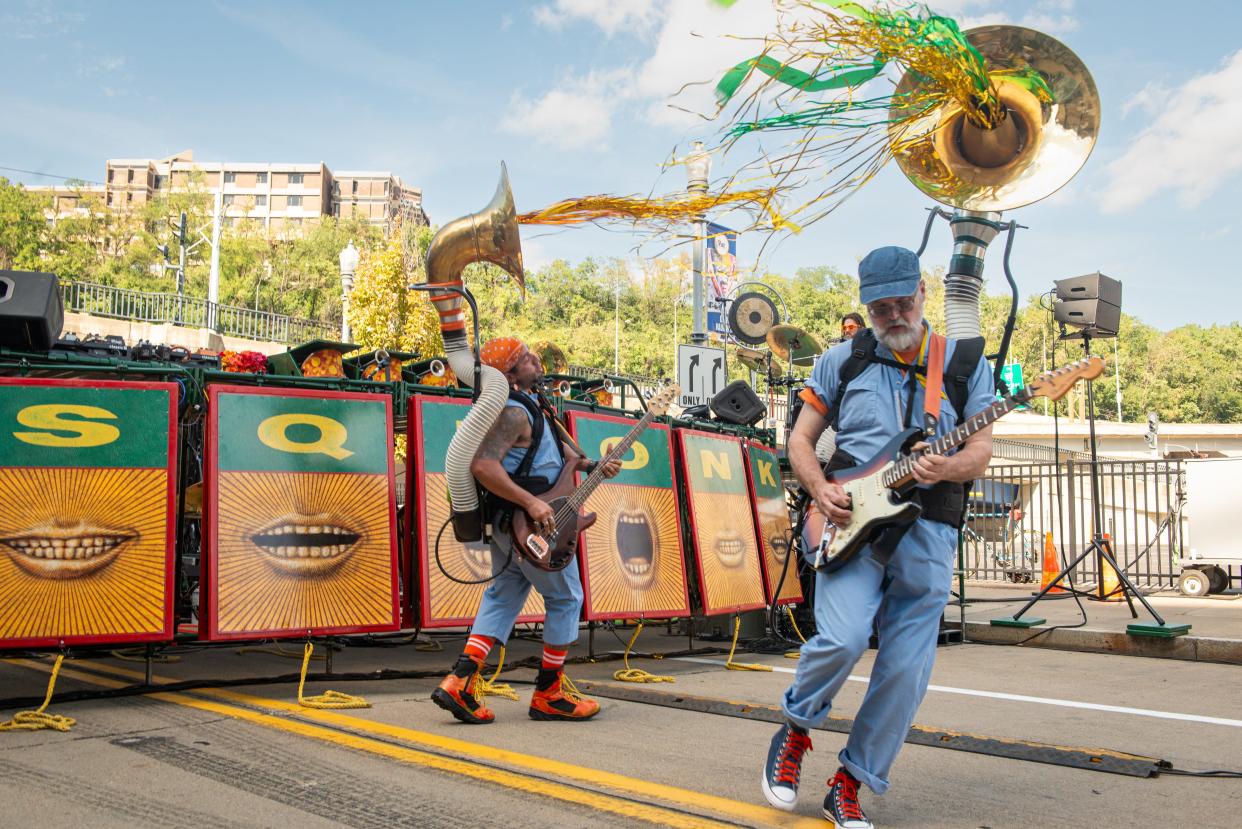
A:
[1191, 148]
[574, 115]
[37, 19]
[610, 16]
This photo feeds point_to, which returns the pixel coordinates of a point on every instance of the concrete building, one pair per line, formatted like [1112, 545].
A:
[278, 197]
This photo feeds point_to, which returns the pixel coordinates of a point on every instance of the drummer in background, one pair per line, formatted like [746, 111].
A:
[851, 324]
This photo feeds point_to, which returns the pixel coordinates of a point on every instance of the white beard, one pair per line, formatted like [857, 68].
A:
[902, 339]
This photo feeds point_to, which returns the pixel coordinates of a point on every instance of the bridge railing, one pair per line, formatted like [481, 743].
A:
[193, 312]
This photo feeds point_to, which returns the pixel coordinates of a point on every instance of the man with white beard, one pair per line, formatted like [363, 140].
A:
[870, 389]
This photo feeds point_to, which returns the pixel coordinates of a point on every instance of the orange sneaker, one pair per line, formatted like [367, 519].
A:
[456, 694]
[561, 701]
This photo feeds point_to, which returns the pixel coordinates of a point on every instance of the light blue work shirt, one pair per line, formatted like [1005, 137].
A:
[547, 462]
[873, 410]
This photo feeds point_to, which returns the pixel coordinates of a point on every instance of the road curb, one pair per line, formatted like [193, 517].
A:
[1088, 640]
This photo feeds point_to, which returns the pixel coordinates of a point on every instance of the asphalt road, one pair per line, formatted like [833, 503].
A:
[249, 756]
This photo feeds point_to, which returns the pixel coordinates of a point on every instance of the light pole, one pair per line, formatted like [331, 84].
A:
[698, 168]
[349, 262]
[616, 342]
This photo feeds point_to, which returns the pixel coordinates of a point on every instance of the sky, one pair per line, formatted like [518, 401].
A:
[582, 96]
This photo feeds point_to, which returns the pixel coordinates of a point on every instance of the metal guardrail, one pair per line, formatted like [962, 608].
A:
[1013, 506]
[194, 312]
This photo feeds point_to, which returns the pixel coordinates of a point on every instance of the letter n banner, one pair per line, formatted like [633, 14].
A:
[300, 520]
[86, 508]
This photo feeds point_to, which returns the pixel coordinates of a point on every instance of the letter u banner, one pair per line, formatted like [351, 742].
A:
[301, 516]
[723, 520]
[87, 471]
[452, 576]
[631, 557]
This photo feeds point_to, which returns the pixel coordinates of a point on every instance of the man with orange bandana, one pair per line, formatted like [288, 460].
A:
[522, 456]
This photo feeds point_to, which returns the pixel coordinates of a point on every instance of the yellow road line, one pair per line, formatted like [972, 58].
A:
[725, 807]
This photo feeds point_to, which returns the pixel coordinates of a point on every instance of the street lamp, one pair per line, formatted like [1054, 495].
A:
[616, 343]
[349, 263]
[698, 168]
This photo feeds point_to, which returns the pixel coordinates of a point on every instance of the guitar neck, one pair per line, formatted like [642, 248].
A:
[902, 470]
[597, 476]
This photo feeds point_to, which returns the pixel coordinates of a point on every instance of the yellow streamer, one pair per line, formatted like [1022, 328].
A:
[328, 699]
[40, 719]
[741, 666]
[663, 212]
[629, 674]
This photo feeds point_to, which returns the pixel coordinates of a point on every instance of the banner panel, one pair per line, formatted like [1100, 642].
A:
[445, 600]
[772, 519]
[723, 521]
[87, 484]
[301, 525]
[632, 562]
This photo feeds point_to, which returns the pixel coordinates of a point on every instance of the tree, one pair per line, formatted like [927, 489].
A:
[23, 227]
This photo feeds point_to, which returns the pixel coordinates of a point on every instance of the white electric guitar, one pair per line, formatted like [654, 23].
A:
[880, 489]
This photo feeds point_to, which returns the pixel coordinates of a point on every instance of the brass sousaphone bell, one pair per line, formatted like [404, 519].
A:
[1035, 149]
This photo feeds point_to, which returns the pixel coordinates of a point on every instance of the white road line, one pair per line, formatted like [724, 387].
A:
[1063, 703]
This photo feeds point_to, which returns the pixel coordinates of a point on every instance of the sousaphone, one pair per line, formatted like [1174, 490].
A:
[1032, 151]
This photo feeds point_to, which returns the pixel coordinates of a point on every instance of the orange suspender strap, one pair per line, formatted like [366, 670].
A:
[935, 380]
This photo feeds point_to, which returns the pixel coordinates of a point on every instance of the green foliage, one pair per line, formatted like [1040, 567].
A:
[23, 230]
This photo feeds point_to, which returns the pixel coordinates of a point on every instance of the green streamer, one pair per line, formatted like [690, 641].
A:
[844, 76]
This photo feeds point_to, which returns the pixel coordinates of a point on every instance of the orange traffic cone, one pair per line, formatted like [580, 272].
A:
[1110, 586]
[1051, 566]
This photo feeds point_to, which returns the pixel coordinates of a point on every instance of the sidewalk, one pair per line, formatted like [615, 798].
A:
[1215, 634]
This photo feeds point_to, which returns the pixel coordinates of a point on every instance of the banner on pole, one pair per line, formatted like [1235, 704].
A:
[720, 270]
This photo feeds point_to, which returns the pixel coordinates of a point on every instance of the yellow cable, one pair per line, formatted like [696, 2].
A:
[37, 720]
[801, 638]
[740, 666]
[328, 699]
[629, 674]
[492, 688]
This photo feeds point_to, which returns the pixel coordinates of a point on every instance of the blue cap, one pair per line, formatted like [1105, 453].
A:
[886, 273]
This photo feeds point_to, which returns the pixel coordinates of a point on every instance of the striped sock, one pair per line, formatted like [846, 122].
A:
[478, 647]
[553, 658]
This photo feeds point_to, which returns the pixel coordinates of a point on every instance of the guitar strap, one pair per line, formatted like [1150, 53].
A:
[935, 383]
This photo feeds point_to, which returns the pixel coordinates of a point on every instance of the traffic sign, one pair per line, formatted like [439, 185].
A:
[701, 373]
[1011, 374]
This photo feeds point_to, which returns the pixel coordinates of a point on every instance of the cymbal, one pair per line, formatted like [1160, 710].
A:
[755, 360]
[794, 345]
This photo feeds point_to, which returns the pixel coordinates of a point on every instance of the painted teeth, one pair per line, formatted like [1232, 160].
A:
[631, 519]
[65, 549]
[637, 568]
[307, 529]
[318, 551]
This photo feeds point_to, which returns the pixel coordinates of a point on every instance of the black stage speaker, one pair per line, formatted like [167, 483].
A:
[738, 403]
[31, 312]
[1091, 303]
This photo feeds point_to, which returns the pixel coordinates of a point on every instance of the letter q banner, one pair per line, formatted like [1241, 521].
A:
[301, 514]
[86, 505]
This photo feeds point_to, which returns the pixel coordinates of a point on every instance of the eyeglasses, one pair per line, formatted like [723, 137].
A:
[886, 309]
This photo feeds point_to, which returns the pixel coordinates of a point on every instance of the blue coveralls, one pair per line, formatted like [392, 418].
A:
[905, 597]
[505, 594]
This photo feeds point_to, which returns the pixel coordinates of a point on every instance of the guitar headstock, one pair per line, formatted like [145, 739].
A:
[659, 402]
[1056, 384]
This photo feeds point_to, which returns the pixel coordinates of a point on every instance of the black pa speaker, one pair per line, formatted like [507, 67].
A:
[738, 403]
[1091, 303]
[31, 312]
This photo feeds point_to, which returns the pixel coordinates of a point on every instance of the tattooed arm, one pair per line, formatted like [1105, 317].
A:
[511, 429]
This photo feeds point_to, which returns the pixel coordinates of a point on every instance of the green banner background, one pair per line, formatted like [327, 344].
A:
[715, 465]
[590, 433]
[365, 435]
[137, 436]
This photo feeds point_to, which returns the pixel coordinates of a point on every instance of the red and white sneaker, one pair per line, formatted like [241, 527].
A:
[841, 806]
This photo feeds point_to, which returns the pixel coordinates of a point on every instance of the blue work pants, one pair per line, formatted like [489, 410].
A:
[905, 598]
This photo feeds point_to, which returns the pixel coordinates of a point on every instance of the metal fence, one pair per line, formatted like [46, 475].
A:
[194, 312]
[1014, 507]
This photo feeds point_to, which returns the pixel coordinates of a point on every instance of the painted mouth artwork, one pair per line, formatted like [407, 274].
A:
[306, 545]
[66, 552]
[478, 559]
[636, 546]
[780, 547]
[730, 548]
